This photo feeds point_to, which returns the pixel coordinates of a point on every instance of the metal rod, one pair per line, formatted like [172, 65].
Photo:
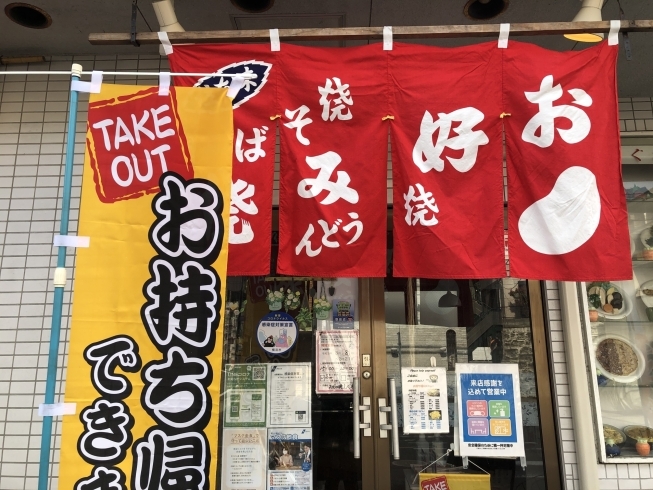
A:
[356, 415]
[127, 73]
[57, 307]
[394, 419]
[366, 33]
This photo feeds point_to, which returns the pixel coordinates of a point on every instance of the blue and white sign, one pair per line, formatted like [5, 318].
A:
[277, 332]
[489, 410]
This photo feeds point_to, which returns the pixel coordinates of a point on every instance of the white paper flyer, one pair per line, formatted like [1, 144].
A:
[424, 395]
[289, 395]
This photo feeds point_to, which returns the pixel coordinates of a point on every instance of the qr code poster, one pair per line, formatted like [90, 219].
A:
[245, 395]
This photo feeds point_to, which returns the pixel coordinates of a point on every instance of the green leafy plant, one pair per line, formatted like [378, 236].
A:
[304, 319]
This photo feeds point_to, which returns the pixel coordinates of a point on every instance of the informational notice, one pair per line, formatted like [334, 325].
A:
[245, 456]
[424, 393]
[343, 314]
[489, 410]
[245, 395]
[290, 455]
[289, 395]
[337, 361]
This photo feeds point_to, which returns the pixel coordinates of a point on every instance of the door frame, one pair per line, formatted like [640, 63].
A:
[375, 451]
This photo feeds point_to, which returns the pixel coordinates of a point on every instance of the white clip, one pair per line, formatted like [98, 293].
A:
[504, 32]
[52, 409]
[613, 35]
[164, 83]
[92, 87]
[387, 38]
[275, 45]
[236, 84]
[59, 280]
[165, 42]
[72, 241]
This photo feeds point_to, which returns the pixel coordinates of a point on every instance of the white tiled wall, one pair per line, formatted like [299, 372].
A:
[33, 125]
[33, 117]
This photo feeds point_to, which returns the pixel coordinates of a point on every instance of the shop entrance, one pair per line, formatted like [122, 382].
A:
[291, 344]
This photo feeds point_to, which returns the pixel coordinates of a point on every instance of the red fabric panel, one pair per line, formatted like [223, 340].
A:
[452, 225]
[332, 209]
[567, 211]
[254, 143]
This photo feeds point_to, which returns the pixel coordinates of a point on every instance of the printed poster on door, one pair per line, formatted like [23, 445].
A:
[337, 361]
[424, 395]
[290, 454]
[144, 365]
[244, 452]
[489, 410]
[289, 395]
[245, 395]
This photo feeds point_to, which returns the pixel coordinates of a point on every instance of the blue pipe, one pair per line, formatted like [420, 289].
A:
[55, 333]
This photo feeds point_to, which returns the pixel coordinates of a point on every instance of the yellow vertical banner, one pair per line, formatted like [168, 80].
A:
[145, 352]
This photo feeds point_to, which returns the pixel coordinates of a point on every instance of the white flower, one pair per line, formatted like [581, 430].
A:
[289, 291]
[277, 294]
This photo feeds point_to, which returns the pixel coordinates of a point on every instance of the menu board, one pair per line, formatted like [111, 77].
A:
[489, 410]
[290, 457]
[244, 450]
[424, 395]
[337, 361]
[245, 395]
[289, 395]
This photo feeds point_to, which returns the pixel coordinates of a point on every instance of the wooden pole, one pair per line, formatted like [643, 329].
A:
[364, 33]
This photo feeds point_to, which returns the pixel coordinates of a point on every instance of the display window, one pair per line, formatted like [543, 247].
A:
[618, 320]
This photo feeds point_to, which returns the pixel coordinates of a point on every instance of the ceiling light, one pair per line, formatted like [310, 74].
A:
[590, 11]
[253, 6]
[484, 9]
[449, 300]
[28, 15]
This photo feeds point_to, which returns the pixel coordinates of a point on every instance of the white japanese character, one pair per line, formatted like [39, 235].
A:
[306, 243]
[328, 232]
[255, 153]
[544, 120]
[427, 156]
[424, 202]
[249, 79]
[299, 123]
[326, 164]
[357, 224]
[240, 191]
[344, 97]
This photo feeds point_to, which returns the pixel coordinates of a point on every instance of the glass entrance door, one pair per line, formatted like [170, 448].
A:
[441, 323]
[290, 353]
[288, 407]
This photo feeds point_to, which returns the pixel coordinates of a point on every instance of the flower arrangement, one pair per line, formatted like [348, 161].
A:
[274, 299]
[321, 307]
[292, 300]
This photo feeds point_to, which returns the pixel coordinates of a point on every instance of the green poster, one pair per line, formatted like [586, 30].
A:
[245, 393]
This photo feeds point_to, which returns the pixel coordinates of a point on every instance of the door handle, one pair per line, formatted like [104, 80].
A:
[366, 424]
[393, 426]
